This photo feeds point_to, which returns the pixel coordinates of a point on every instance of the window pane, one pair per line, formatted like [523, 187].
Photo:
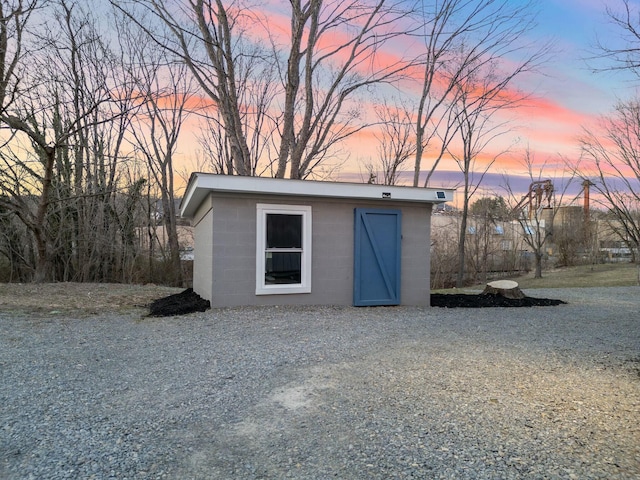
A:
[284, 231]
[283, 267]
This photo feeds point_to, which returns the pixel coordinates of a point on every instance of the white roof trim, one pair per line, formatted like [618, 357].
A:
[201, 184]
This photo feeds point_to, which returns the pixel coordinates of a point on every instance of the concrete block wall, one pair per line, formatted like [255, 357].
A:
[203, 250]
[232, 241]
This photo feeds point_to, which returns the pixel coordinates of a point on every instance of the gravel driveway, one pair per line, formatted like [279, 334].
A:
[315, 393]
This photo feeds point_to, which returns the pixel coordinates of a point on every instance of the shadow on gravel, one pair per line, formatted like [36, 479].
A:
[178, 304]
[461, 300]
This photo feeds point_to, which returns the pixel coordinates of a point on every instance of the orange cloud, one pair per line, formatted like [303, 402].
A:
[543, 108]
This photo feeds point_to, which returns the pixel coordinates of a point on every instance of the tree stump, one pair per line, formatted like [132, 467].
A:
[506, 288]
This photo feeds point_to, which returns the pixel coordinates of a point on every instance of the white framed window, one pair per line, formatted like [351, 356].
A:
[283, 249]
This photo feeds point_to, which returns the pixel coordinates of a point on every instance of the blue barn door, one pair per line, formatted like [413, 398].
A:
[377, 257]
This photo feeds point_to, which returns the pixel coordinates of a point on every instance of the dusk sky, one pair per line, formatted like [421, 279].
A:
[564, 98]
[568, 95]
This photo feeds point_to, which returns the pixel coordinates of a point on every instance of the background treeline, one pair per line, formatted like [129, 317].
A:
[95, 96]
[88, 134]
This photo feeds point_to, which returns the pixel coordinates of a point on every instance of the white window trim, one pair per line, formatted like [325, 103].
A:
[262, 209]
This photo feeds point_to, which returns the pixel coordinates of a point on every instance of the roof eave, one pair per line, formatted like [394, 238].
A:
[201, 184]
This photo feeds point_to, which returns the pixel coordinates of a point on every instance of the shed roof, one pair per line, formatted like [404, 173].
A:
[201, 184]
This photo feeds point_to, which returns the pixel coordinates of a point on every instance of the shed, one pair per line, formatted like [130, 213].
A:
[267, 241]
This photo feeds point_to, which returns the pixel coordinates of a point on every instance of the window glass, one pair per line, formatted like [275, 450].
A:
[283, 268]
[284, 231]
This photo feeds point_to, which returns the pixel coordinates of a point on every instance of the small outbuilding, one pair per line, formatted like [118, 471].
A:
[267, 241]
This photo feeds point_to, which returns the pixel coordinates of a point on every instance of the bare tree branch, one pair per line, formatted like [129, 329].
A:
[626, 56]
[461, 37]
[615, 159]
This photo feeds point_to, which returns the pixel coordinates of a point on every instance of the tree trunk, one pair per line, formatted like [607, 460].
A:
[538, 271]
[174, 244]
[463, 232]
[461, 256]
[505, 288]
[418, 161]
[41, 216]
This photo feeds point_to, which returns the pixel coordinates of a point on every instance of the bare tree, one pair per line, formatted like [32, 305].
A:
[165, 90]
[15, 19]
[261, 132]
[570, 236]
[461, 37]
[64, 129]
[613, 152]
[323, 80]
[15, 16]
[396, 140]
[614, 155]
[216, 151]
[328, 56]
[536, 211]
[624, 53]
[487, 220]
[209, 37]
[444, 254]
[481, 95]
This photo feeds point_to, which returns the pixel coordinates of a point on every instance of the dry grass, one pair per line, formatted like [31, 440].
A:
[93, 298]
[78, 298]
[603, 275]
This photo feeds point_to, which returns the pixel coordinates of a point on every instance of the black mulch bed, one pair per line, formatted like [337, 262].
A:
[189, 302]
[178, 304]
[461, 300]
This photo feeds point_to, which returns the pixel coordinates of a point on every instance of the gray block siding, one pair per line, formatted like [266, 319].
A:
[230, 226]
[203, 250]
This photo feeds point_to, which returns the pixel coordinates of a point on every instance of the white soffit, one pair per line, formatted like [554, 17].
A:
[201, 184]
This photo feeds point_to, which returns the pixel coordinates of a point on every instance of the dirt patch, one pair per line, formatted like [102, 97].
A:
[78, 298]
[461, 300]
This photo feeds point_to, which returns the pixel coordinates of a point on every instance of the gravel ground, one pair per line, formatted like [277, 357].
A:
[315, 393]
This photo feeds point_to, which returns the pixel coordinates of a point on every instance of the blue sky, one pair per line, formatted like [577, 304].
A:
[575, 26]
